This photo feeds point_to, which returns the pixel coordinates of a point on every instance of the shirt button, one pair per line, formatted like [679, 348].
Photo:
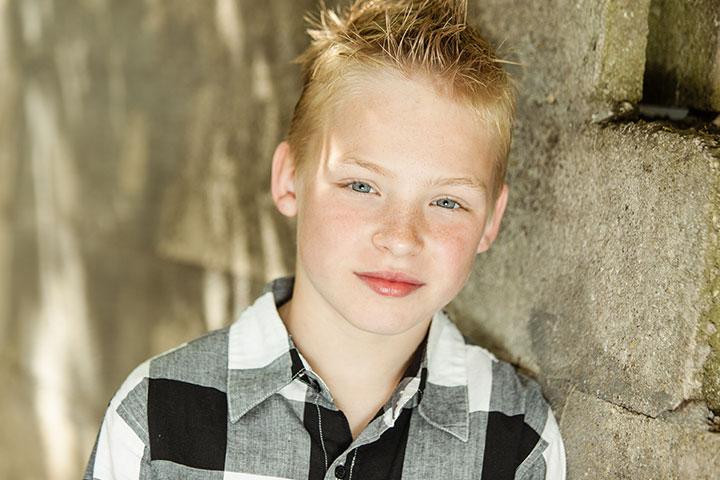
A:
[340, 471]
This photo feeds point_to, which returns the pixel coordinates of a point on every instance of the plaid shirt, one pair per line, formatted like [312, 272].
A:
[242, 403]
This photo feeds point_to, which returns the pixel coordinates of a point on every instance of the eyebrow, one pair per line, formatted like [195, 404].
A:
[471, 182]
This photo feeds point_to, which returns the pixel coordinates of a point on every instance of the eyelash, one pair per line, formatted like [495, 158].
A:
[459, 205]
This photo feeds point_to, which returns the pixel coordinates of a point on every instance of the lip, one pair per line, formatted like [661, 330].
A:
[390, 284]
[392, 277]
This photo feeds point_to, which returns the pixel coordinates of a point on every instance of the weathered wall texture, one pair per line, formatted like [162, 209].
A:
[135, 147]
[604, 283]
[135, 144]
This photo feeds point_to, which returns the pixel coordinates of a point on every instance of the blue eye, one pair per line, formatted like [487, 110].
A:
[362, 187]
[448, 204]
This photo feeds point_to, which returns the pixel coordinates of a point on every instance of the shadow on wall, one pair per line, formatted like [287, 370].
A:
[134, 196]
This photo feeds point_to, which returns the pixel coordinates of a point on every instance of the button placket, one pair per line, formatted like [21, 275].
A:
[342, 471]
[352, 464]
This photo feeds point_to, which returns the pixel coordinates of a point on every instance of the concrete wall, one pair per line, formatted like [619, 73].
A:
[134, 162]
[135, 146]
[604, 283]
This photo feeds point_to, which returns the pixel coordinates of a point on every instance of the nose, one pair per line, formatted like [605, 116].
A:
[400, 234]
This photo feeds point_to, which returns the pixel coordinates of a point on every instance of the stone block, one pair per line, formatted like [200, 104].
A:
[604, 441]
[683, 54]
[599, 275]
[578, 57]
[620, 51]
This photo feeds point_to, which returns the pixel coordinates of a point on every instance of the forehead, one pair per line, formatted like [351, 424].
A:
[405, 122]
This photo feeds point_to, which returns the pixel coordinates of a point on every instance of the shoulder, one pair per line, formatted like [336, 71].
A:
[516, 412]
[201, 362]
[510, 391]
[497, 386]
[172, 392]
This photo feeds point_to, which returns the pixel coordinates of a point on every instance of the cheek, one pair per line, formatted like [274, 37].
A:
[456, 245]
[327, 224]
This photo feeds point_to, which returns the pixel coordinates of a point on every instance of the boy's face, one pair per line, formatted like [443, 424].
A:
[384, 195]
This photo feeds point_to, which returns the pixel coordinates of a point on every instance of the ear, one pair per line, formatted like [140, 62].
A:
[492, 228]
[282, 184]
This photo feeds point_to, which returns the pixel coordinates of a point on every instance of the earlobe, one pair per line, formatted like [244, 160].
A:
[282, 184]
[493, 228]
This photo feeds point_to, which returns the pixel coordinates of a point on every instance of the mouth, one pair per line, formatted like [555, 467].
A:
[390, 284]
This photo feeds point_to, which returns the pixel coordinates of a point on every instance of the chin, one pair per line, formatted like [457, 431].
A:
[384, 330]
[382, 323]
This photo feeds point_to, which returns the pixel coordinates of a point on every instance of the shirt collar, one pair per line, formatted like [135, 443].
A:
[445, 398]
[260, 362]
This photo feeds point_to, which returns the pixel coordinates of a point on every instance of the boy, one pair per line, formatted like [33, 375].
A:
[394, 166]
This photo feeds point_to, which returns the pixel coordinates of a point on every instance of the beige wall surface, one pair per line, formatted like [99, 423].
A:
[135, 148]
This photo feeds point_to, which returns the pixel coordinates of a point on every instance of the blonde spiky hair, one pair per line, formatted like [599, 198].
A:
[430, 37]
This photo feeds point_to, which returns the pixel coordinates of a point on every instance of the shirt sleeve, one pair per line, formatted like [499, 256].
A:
[548, 460]
[554, 454]
[121, 450]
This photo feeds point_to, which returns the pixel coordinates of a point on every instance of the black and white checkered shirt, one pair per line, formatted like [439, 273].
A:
[242, 403]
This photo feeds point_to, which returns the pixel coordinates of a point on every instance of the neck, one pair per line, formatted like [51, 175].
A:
[360, 368]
